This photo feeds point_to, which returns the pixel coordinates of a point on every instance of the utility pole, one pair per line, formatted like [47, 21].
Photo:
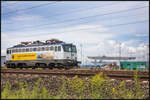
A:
[147, 55]
[81, 52]
[119, 54]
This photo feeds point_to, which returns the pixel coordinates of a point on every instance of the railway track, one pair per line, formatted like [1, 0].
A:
[144, 75]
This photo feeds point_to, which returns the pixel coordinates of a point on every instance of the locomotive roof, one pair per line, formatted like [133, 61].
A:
[39, 45]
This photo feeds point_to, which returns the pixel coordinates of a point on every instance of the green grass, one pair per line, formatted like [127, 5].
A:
[99, 87]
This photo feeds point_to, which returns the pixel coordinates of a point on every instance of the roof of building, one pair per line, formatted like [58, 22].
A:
[111, 58]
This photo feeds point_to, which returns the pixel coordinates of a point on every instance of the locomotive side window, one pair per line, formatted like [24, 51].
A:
[34, 49]
[43, 48]
[38, 49]
[16, 50]
[27, 49]
[51, 48]
[13, 51]
[23, 50]
[59, 48]
[56, 49]
[47, 48]
[30, 49]
[19, 50]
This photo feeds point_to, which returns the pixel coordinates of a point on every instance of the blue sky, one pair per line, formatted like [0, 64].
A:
[97, 25]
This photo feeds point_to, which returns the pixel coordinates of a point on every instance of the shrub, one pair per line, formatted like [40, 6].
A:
[98, 87]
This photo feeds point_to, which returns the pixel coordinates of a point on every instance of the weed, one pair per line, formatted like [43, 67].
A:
[99, 87]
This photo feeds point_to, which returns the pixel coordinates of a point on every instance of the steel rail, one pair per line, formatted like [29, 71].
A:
[111, 74]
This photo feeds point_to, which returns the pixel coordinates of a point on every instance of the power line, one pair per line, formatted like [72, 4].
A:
[74, 11]
[41, 25]
[45, 4]
[101, 19]
[10, 4]
[95, 27]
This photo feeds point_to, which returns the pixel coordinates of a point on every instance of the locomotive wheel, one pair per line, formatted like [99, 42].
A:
[66, 68]
[36, 65]
[51, 66]
[60, 66]
[20, 65]
[13, 66]
[8, 66]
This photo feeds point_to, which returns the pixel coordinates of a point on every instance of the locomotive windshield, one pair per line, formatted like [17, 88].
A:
[69, 48]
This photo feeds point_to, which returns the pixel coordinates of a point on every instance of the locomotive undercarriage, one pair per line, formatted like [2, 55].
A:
[66, 64]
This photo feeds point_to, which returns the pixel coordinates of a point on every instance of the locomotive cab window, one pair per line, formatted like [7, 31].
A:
[7, 51]
[56, 49]
[73, 49]
[59, 48]
[69, 48]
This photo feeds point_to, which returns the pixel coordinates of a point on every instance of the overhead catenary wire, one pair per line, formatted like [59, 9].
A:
[85, 22]
[74, 11]
[45, 4]
[103, 19]
[10, 4]
[93, 28]
[41, 25]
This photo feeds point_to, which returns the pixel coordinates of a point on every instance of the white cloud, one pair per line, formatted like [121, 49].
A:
[25, 17]
[141, 35]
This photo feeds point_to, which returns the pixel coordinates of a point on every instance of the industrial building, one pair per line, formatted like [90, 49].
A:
[133, 65]
[123, 62]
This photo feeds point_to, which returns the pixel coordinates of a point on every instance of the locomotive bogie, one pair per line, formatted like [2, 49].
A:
[41, 64]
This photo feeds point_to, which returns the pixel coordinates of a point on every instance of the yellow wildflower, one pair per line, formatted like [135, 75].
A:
[113, 89]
